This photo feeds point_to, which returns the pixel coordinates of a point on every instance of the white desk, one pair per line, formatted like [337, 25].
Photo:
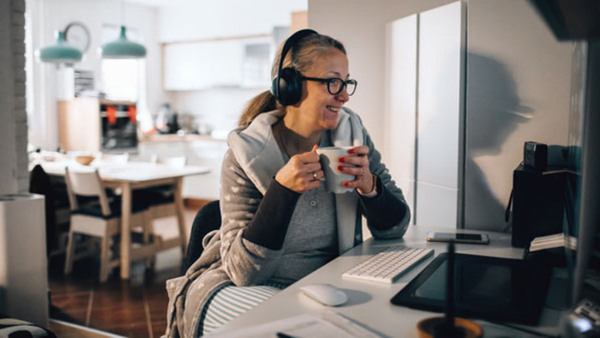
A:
[369, 302]
[135, 175]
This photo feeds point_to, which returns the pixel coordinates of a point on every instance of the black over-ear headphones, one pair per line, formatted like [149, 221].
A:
[287, 85]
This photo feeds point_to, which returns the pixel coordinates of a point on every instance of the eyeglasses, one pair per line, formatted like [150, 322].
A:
[335, 85]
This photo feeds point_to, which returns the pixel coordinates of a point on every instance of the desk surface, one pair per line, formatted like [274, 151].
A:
[369, 302]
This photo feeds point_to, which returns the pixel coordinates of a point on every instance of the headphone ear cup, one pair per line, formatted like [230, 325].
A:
[290, 86]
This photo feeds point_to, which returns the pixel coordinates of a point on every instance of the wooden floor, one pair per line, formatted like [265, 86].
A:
[131, 308]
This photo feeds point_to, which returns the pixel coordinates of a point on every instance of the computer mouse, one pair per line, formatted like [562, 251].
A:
[325, 294]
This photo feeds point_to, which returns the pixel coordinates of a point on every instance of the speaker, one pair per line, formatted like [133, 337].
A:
[538, 204]
[287, 85]
[535, 155]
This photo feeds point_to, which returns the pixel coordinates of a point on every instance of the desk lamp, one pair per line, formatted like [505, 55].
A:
[449, 326]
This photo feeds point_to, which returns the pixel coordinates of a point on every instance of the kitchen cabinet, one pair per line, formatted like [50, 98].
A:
[240, 62]
[79, 125]
[92, 125]
[200, 65]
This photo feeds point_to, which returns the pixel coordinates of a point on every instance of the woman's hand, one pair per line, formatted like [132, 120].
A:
[357, 163]
[302, 172]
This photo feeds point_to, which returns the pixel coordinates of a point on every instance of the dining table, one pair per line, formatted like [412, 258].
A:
[128, 177]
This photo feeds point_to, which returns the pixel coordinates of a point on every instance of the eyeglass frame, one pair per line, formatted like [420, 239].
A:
[328, 81]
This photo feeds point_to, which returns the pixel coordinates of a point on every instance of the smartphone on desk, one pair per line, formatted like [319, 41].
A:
[457, 237]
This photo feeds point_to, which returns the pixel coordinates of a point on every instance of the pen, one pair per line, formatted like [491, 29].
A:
[283, 335]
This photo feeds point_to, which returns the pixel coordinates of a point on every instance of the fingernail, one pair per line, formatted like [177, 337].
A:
[340, 167]
[346, 184]
[341, 160]
[351, 151]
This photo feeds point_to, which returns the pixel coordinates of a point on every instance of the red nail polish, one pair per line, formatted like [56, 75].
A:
[351, 151]
[346, 184]
[341, 160]
[340, 167]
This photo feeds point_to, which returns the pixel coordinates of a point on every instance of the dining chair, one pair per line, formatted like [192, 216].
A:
[101, 219]
[116, 159]
[161, 199]
[113, 158]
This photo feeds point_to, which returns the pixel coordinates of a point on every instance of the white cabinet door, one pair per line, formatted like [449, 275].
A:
[425, 112]
[200, 65]
[440, 116]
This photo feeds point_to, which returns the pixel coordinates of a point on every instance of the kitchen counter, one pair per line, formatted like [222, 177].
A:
[179, 138]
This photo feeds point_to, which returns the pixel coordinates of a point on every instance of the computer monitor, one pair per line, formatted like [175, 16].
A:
[579, 20]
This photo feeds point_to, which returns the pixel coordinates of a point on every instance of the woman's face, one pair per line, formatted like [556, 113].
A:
[318, 107]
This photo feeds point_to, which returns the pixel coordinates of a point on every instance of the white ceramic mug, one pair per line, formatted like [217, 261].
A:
[328, 156]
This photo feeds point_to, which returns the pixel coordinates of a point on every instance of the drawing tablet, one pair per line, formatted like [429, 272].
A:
[484, 287]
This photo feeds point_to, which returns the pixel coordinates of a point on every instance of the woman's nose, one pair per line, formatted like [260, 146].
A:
[343, 96]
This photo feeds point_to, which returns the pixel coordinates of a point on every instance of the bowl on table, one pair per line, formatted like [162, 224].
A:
[84, 159]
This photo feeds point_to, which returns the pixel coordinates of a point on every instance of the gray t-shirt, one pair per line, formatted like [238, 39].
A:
[311, 239]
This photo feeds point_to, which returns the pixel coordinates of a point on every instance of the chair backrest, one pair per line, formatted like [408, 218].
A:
[175, 162]
[207, 219]
[86, 183]
[114, 158]
[39, 183]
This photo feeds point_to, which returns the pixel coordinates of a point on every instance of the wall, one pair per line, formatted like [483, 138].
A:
[226, 18]
[361, 26]
[217, 108]
[23, 283]
[220, 107]
[51, 15]
[13, 129]
[518, 87]
[506, 41]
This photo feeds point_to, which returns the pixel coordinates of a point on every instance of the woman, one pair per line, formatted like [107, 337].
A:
[278, 222]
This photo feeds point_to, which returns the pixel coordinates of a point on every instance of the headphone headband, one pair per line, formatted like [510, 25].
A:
[289, 44]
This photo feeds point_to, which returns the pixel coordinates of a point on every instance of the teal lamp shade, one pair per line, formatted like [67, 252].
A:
[61, 52]
[122, 48]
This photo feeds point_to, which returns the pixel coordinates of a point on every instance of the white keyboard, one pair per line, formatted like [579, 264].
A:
[389, 264]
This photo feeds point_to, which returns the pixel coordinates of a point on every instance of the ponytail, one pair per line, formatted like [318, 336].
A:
[261, 103]
[302, 57]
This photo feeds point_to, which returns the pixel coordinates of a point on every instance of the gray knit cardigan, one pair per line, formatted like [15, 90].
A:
[228, 257]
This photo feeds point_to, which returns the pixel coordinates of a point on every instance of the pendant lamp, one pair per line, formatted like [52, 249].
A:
[61, 52]
[122, 48]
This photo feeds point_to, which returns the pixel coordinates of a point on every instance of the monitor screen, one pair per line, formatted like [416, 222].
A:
[484, 287]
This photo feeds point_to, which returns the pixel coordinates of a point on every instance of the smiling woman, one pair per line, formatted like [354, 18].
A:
[279, 223]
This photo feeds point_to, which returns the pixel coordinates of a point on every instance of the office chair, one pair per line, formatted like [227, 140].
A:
[207, 219]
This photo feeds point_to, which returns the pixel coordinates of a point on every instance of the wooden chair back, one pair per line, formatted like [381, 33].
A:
[86, 183]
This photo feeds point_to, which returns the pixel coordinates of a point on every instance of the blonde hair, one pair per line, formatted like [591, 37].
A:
[301, 56]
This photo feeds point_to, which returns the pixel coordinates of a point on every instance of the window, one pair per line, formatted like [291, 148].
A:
[125, 79]
[122, 78]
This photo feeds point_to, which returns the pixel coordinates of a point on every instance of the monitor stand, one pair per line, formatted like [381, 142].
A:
[449, 326]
